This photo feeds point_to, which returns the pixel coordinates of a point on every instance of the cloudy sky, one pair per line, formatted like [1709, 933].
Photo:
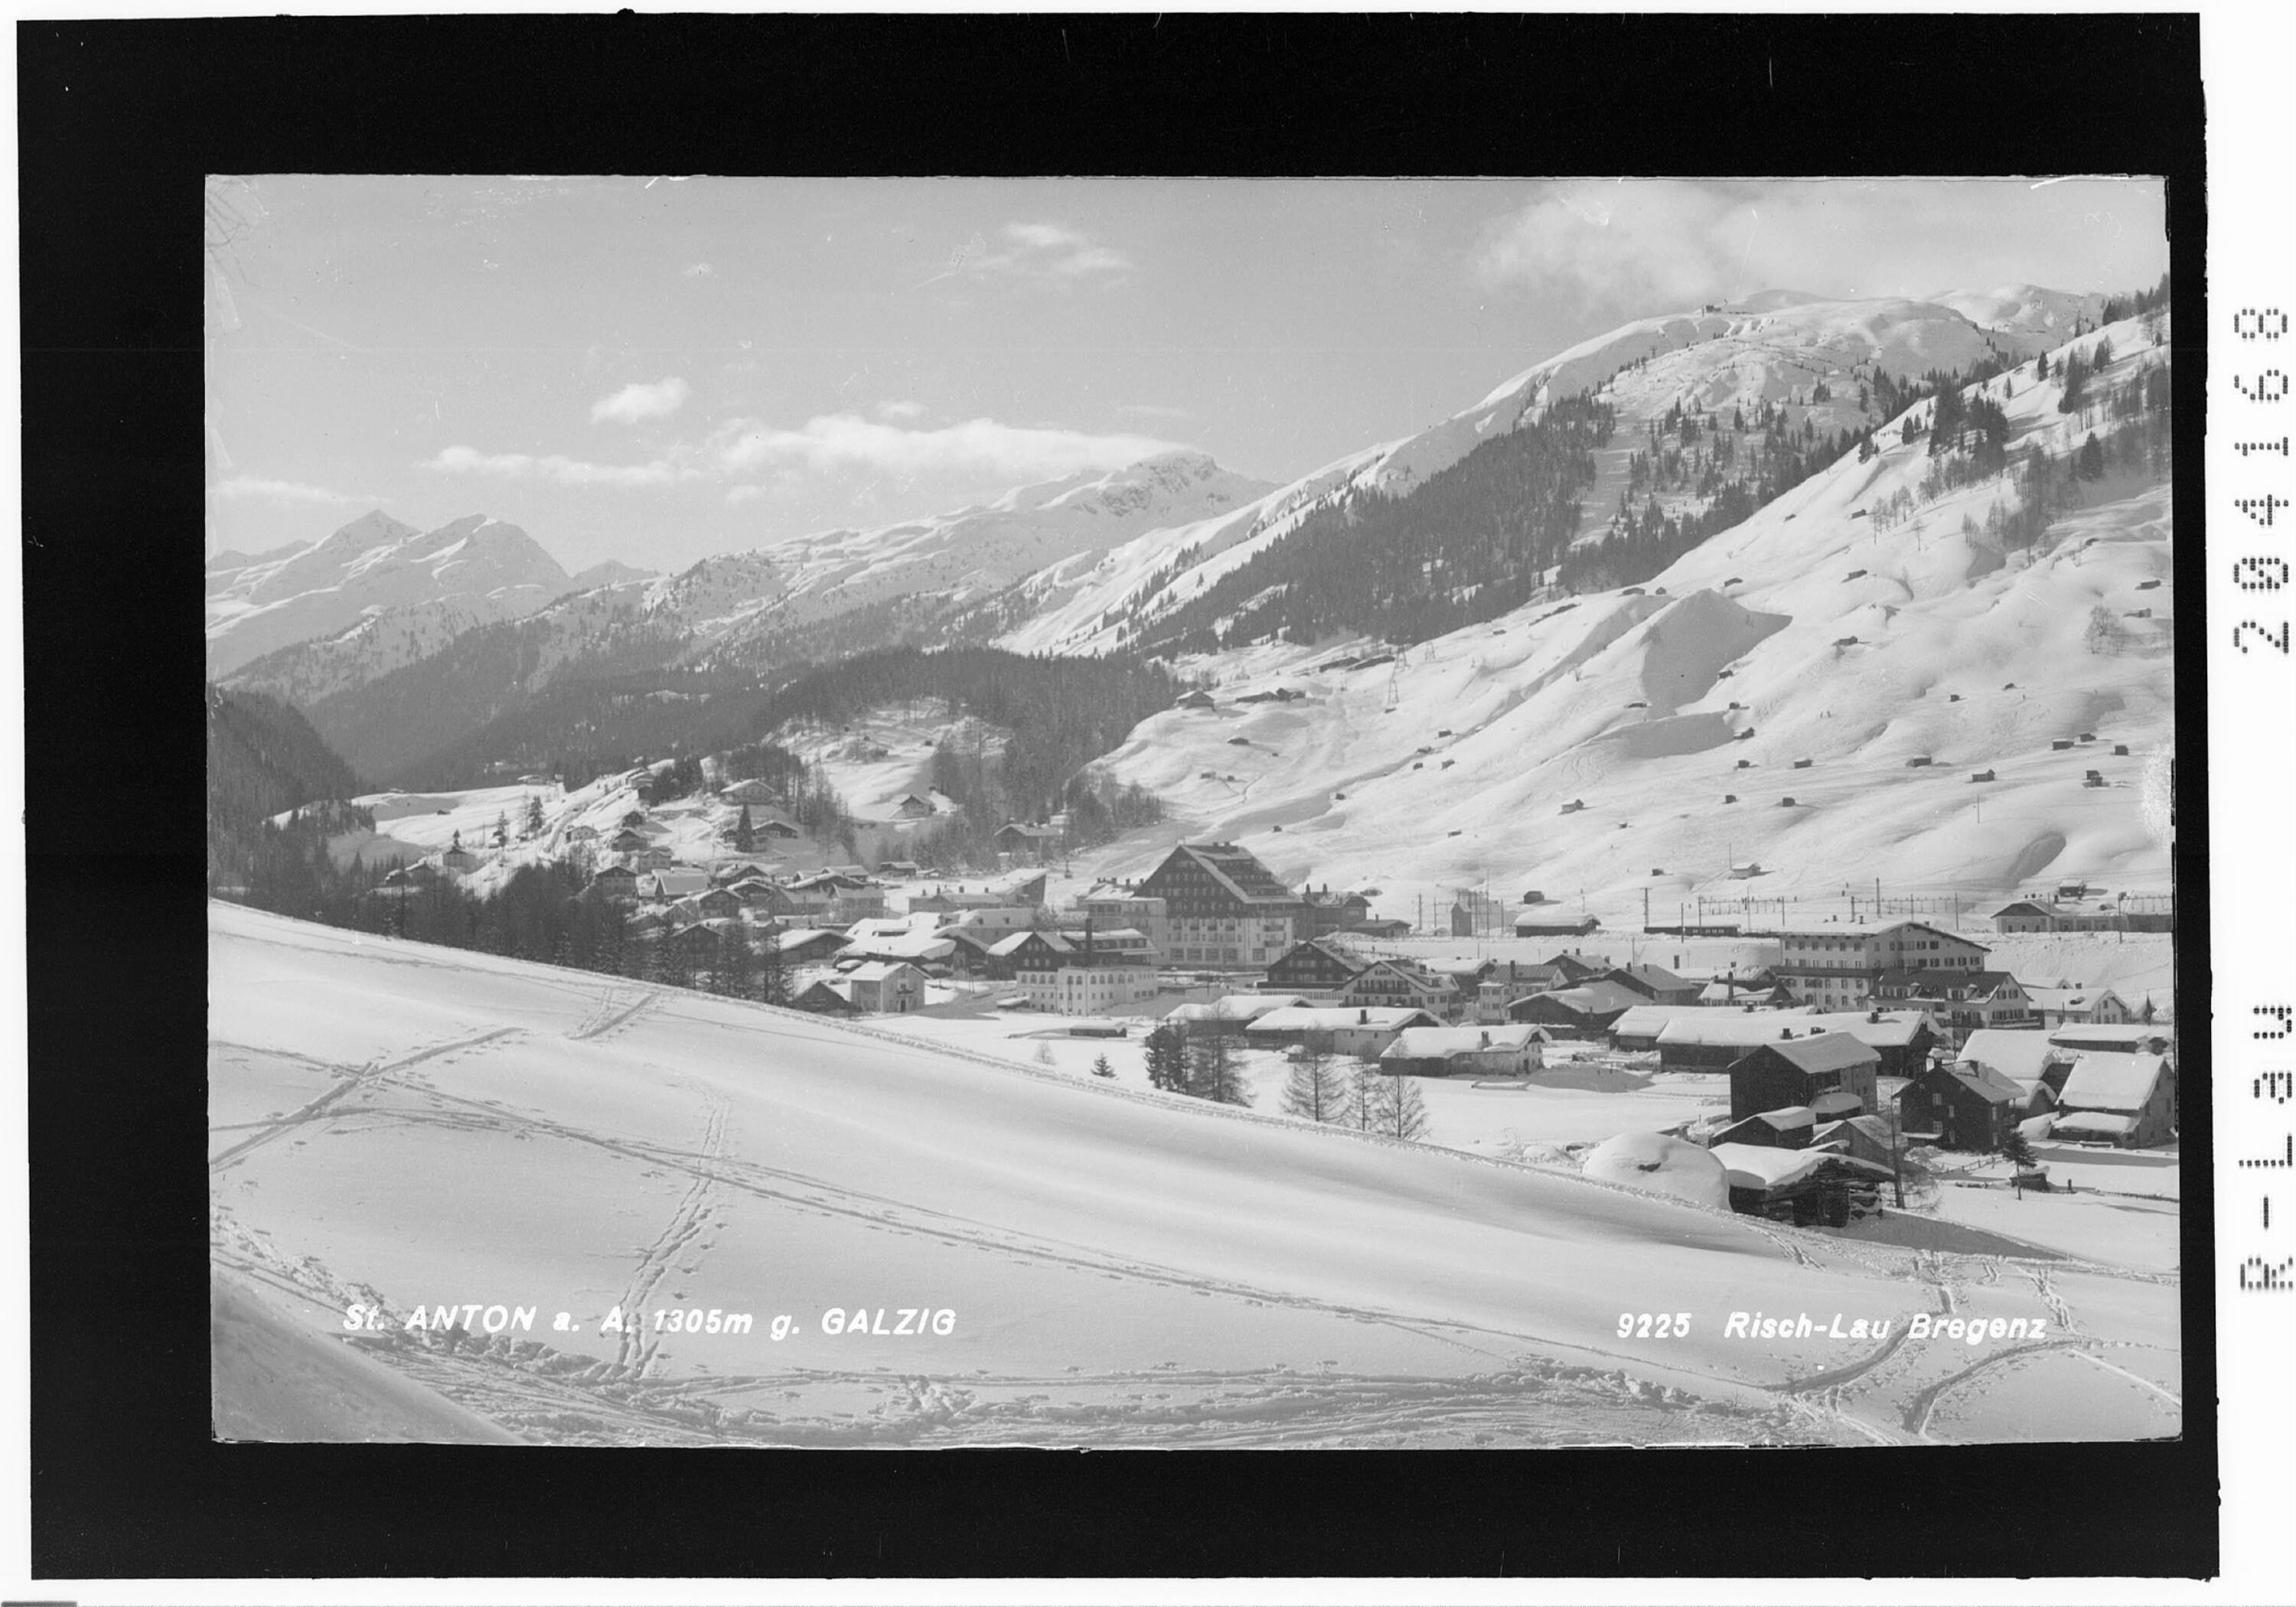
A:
[657, 370]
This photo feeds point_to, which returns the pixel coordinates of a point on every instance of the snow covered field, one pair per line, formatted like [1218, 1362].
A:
[399, 1128]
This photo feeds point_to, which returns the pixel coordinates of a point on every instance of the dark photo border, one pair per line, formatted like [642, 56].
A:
[119, 121]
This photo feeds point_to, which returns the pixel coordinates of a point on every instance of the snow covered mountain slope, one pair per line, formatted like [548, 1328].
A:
[401, 1127]
[472, 571]
[741, 598]
[1856, 625]
[1806, 355]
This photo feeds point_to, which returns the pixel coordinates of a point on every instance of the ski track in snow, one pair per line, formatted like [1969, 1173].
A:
[1522, 1385]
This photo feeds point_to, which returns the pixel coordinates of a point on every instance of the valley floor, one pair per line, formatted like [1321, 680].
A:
[400, 1128]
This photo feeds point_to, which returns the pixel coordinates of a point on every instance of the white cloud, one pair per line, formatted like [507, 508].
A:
[632, 403]
[847, 442]
[1047, 252]
[738, 495]
[1640, 244]
[243, 487]
[900, 410]
[565, 471]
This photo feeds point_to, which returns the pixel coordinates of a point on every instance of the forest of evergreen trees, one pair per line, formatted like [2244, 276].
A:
[1469, 543]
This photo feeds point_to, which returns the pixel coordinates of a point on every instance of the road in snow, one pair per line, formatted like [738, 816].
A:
[398, 1126]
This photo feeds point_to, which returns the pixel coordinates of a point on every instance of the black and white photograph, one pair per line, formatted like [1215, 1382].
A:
[1369, 814]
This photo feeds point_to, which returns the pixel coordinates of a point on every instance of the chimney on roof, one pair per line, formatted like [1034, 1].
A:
[1363, 1018]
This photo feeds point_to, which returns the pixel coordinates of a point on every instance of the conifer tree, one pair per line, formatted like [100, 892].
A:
[1403, 1109]
[1100, 1068]
[1167, 1059]
[1212, 1073]
[1316, 1089]
[744, 841]
[533, 815]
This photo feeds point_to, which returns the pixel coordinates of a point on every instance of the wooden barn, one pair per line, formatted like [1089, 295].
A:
[1794, 1071]
[1963, 1106]
[1314, 967]
[2127, 1099]
[1586, 1011]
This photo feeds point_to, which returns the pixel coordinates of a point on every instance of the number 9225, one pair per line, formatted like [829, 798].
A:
[1663, 1324]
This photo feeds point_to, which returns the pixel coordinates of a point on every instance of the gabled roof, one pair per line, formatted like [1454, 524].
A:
[1338, 956]
[2073, 999]
[1876, 929]
[1237, 871]
[1646, 1020]
[1652, 976]
[2019, 1056]
[2102, 1080]
[1985, 1083]
[1380, 1018]
[1587, 998]
[1747, 1028]
[1440, 1043]
[2027, 906]
[1827, 1052]
[1785, 1119]
[877, 971]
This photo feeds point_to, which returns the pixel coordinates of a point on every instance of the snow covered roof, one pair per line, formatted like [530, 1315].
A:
[2095, 1124]
[917, 947]
[1758, 1166]
[2126, 1038]
[1595, 998]
[2020, 1057]
[1985, 1083]
[1441, 1043]
[1747, 1028]
[1827, 1052]
[877, 971]
[2102, 1080]
[1380, 1018]
[1785, 1118]
[1872, 929]
[1644, 1020]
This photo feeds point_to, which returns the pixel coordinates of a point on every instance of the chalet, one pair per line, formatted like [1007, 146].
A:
[1794, 1071]
[1807, 1186]
[1228, 1017]
[885, 987]
[1986, 1000]
[2079, 1006]
[697, 942]
[989, 926]
[1868, 1138]
[1196, 700]
[1962, 1106]
[912, 808]
[2128, 1099]
[649, 858]
[582, 833]
[1510, 980]
[906, 869]
[2026, 1059]
[827, 998]
[1465, 1052]
[1385, 927]
[2130, 1038]
[2061, 914]
[1787, 1127]
[1224, 908]
[1364, 1033]
[1402, 983]
[1839, 965]
[1311, 968]
[970, 955]
[618, 883]
[750, 795]
[1586, 1010]
[667, 887]
[627, 841]
[809, 945]
[907, 944]
[764, 897]
[1027, 844]
[717, 904]
[1554, 925]
[1711, 1039]
[458, 860]
[1074, 972]
[1638, 1028]
[773, 825]
[1654, 983]
[1759, 988]
[1329, 912]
